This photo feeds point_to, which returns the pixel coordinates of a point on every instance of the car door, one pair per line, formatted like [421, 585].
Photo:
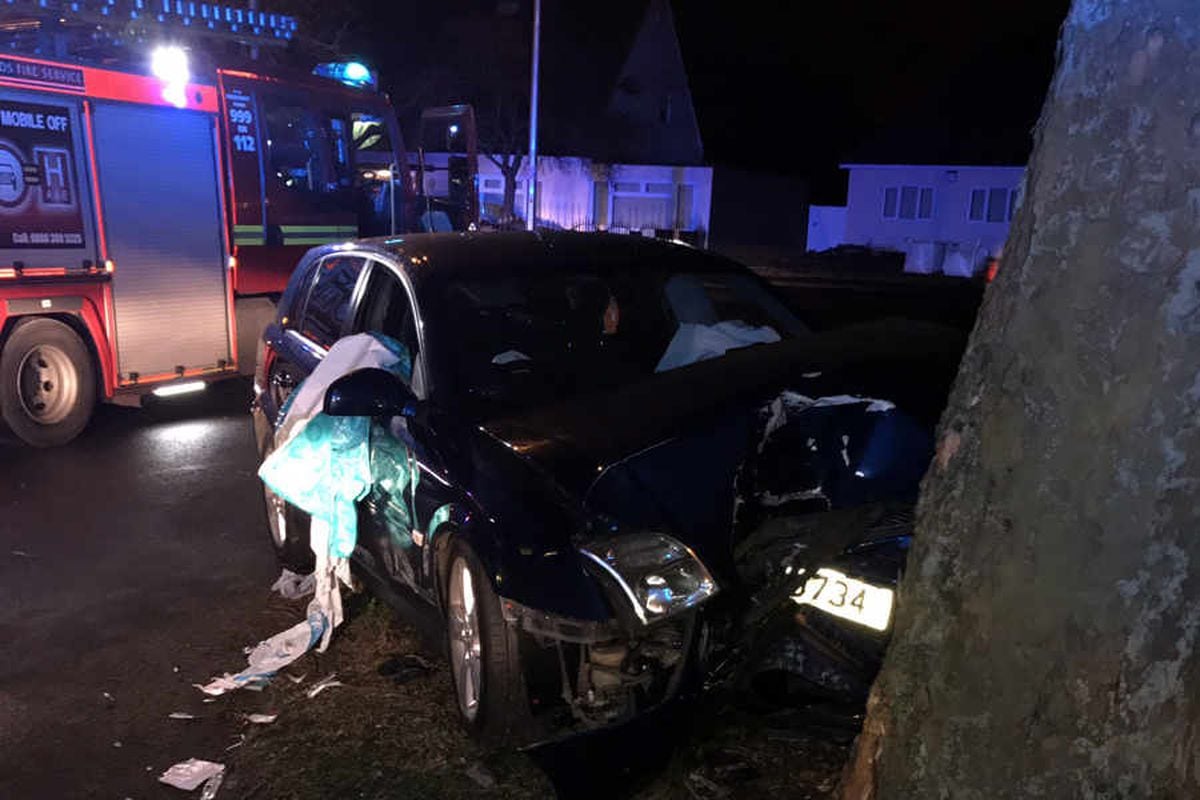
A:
[321, 317]
[390, 525]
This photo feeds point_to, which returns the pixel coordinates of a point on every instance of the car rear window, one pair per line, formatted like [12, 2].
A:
[329, 299]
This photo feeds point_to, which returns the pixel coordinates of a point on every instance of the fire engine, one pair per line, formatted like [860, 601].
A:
[150, 216]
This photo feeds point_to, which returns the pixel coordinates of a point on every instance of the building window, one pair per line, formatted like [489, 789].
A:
[643, 206]
[908, 202]
[992, 205]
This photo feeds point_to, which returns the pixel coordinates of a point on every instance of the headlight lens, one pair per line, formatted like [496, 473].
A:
[659, 575]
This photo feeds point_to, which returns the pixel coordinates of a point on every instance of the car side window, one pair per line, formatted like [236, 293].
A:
[328, 305]
[386, 309]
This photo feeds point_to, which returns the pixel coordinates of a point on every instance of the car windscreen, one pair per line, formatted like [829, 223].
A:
[515, 340]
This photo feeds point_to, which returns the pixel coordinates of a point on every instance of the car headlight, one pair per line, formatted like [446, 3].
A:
[659, 575]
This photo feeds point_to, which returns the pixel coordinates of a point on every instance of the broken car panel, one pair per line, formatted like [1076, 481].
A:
[616, 461]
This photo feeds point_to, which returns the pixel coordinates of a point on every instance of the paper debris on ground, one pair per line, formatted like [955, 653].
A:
[181, 715]
[272, 655]
[405, 668]
[188, 775]
[212, 786]
[479, 773]
[324, 684]
[292, 586]
[261, 719]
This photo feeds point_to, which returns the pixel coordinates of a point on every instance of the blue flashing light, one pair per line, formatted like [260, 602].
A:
[351, 73]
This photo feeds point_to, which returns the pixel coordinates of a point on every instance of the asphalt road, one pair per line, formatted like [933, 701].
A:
[133, 563]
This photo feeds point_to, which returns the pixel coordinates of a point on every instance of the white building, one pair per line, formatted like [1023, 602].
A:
[949, 219]
[580, 194]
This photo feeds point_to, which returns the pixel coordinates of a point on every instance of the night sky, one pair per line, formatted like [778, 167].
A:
[790, 86]
[798, 87]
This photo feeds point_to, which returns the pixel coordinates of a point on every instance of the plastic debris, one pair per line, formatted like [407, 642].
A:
[321, 464]
[272, 655]
[181, 715]
[479, 773]
[188, 775]
[116, 744]
[238, 741]
[292, 586]
[323, 684]
[108, 697]
[261, 719]
[295, 678]
[23, 554]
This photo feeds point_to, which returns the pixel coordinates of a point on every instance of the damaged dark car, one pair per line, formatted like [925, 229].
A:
[621, 468]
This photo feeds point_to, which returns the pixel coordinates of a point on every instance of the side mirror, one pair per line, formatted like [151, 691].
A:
[370, 392]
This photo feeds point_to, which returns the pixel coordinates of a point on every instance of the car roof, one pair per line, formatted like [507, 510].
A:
[436, 257]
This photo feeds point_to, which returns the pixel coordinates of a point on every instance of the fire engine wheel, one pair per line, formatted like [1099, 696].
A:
[47, 383]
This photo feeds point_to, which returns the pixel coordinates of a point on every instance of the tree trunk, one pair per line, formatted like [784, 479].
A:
[1045, 644]
[509, 166]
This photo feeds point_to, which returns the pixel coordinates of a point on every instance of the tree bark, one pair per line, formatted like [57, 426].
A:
[1045, 643]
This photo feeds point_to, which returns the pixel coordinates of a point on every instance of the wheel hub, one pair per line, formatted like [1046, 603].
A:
[466, 648]
[47, 384]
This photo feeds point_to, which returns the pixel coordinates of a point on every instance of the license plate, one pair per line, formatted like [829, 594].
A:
[845, 597]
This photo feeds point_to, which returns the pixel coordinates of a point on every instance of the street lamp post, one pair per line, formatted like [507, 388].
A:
[531, 194]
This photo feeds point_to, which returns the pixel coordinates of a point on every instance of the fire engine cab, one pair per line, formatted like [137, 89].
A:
[149, 217]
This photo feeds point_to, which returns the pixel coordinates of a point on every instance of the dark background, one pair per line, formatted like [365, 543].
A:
[792, 88]
[798, 87]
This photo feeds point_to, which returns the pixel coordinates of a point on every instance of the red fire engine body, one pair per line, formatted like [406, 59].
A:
[139, 228]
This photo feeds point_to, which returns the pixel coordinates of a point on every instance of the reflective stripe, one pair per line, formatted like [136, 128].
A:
[330, 229]
[313, 239]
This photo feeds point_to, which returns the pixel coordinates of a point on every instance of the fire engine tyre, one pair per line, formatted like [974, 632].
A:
[47, 382]
[485, 666]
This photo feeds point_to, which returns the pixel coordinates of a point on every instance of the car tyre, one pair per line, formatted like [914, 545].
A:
[288, 529]
[485, 666]
[47, 382]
